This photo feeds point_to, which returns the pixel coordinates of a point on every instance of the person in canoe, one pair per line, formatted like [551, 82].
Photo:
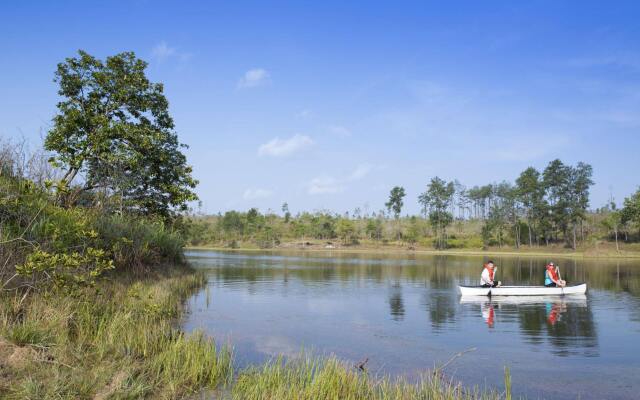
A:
[552, 276]
[488, 275]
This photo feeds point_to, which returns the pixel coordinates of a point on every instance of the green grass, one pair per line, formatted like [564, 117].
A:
[116, 341]
[308, 378]
[119, 341]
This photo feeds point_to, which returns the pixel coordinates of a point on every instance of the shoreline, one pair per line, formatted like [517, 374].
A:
[627, 255]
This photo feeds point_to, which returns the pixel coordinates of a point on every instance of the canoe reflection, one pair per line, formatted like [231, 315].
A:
[566, 322]
[554, 306]
[578, 299]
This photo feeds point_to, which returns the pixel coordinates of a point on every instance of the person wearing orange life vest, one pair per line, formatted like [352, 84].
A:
[488, 275]
[552, 276]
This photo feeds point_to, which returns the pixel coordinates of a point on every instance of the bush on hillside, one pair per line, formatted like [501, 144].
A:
[43, 243]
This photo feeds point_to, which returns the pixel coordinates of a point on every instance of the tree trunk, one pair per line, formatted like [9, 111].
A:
[615, 230]
[530, 239]
[574, 237]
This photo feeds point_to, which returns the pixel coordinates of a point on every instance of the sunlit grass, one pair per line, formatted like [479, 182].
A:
[312, 378]
[118, 340]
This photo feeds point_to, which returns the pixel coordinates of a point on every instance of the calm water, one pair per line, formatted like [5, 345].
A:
[405, 315]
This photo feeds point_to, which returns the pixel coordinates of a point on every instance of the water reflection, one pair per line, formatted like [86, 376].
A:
[488, 314]
[442, 308]
[396, 304]
[567, 323]
[405, 314]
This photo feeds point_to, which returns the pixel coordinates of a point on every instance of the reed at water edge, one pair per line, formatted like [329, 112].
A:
[119, 340]
[309, 378]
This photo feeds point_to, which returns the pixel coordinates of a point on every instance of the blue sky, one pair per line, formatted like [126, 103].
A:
[327, 105]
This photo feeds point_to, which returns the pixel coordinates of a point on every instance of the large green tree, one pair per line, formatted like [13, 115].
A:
[530, 193]
[436, 200]
[395, 204]
[114, 134]
[579, 183]
[556, 179]
[567, 191]
[612, 221]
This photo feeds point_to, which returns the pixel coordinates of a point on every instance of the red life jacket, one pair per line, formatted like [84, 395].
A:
[491, 318]
[491, 272]
[553, 315]
[551, 270]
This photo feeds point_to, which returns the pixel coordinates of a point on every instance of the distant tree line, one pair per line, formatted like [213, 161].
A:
[539, 209]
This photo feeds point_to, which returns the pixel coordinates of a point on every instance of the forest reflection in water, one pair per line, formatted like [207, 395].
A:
[405, 314]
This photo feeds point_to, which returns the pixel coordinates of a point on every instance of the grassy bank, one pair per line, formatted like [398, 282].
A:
[90, 299]
[311, 379]
[116, 341]
[120, 341]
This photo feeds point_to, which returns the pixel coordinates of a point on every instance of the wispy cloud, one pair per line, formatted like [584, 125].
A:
[284, 147]
[326, 184]
[254, 77]
[255, 194]
[162, 52]
[360, 172]
[339, 130]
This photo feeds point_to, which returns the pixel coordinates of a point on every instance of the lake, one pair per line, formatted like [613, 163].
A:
[403, 312]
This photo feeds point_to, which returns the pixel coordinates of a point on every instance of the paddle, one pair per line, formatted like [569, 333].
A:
[558, 272]
[560, 279]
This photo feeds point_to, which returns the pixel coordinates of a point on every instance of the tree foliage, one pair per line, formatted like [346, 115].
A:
[346, 231]
[551, 207]
[631, 211]
[113, 129]
[436, 201]
[395, 203]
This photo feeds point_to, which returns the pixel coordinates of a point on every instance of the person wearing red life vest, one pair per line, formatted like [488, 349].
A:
[488, 275]
[552, 276]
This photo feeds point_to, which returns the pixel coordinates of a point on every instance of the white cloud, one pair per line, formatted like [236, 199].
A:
[339, 130]
[162, 51]
[254, 77]
[324, 185]
[254, 194]
[360, 172]
[283, 147]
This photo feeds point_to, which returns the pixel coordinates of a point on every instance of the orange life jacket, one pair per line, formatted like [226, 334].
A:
[491, 271]
[551, 270]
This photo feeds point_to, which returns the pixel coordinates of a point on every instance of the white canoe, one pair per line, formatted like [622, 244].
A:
[522, 290]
